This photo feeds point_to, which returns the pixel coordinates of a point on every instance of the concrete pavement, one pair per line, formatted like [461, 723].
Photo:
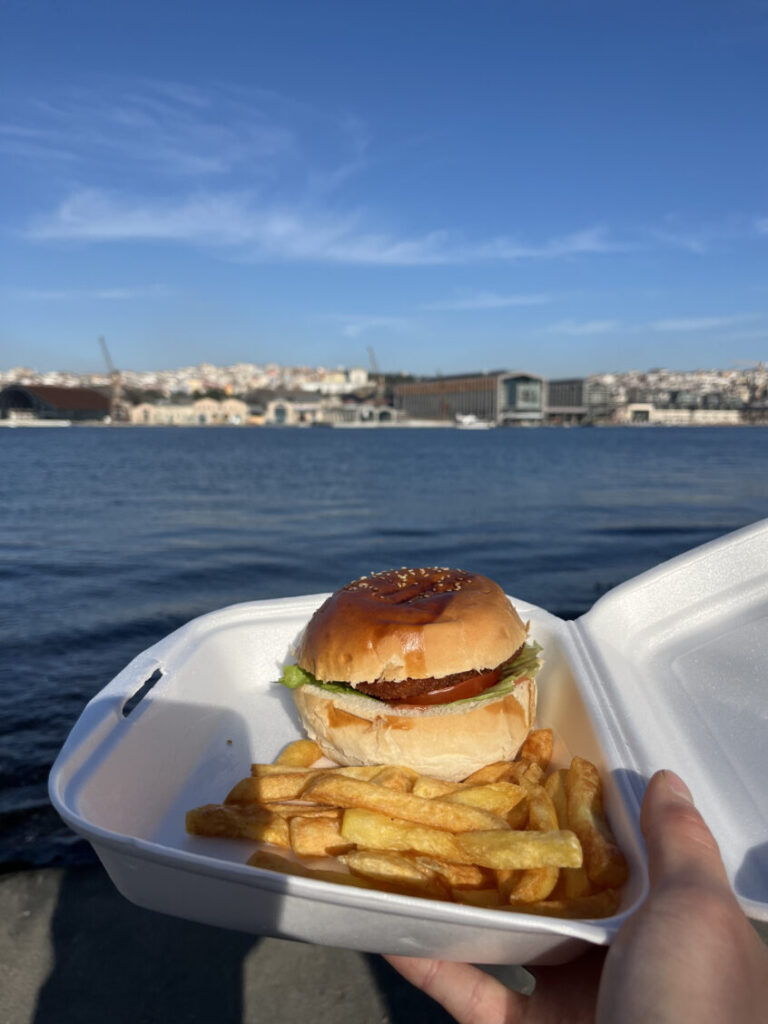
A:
[73, 951]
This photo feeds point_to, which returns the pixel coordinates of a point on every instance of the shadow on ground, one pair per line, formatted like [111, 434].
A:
[114, 961]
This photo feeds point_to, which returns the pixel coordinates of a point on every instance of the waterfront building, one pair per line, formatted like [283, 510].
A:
[601, 398]
[205, 412]
[578, 400]
[635, 413]
[566, 401]
[358, 414]
[50, 402]
[501, 397]
[288, 412]
[162, 414]
[683, 398]
[721, 400]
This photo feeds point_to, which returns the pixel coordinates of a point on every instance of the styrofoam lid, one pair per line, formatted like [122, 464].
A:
[679, 664]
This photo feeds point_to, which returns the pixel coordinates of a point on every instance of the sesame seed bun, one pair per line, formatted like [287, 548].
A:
[411, 624]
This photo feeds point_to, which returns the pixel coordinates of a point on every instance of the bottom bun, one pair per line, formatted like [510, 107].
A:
[448, 741]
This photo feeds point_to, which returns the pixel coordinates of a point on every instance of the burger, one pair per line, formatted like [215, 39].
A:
[429, 668]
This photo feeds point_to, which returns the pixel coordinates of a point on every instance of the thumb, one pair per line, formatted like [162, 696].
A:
[681, 849]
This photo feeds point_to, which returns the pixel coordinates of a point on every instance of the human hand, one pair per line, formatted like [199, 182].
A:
[688, 954]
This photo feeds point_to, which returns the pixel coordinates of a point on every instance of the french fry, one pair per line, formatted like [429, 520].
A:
[555, 787]
[262, 771]
[513, 849]
[430, 788]
[255, 789]
[572, 884]
[499, 771]
[542, 815]
[375, 831]
[346, 792]
[537, 883]
[597, 905]
[270, 782]
[604, 861]
[238, 823]
[457, 876]
[506, 880]
[354, 771]
[498, 797]
[533, 884]
[394, 777]
[317, 837]
[395, 873]
[299, 754]
[269, 861]
[523, 772]
[533, 773]
[518, 816]
[538, 747]
[477, 897]
[299, 808]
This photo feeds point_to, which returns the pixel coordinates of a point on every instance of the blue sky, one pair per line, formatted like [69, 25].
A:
[562, 187]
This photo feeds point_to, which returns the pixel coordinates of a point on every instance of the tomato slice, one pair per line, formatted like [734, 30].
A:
[459, 691]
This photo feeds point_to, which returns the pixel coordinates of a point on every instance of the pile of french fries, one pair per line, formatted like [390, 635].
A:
[511, 836]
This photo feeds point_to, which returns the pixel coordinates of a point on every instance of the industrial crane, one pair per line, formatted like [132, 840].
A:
[376, 372]
[116, 406]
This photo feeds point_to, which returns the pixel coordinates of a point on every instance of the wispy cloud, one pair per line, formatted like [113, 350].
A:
[150, 128]
[151, 132]
[262, 229]
[691, 324]
[488, 300]
[592, 240]
[34, 144]
[703, 323]
[585, 327]
[354, 326]
[91, 294]
[704, 237]
[693, 240]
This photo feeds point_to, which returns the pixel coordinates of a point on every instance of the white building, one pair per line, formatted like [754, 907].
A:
[205, 412]
[646, 412]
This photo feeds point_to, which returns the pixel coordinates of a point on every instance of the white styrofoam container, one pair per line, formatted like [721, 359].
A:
[668, 670]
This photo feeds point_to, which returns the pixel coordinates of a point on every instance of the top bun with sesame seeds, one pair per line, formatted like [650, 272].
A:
[411, 624]
[423, 667]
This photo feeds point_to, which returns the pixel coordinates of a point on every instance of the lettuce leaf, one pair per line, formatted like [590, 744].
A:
[293, 677]
[527, 663]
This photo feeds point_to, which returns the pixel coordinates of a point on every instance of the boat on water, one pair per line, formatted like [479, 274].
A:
[29, 421]
[469, 421]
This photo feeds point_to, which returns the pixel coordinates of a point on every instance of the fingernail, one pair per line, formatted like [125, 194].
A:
[677, 786]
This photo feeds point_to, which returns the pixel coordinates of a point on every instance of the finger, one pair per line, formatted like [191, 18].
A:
[470, 995]
[678, 840]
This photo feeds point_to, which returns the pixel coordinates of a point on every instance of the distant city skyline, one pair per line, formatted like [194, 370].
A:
[96, 367]
[566, 188]
[247, 374]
